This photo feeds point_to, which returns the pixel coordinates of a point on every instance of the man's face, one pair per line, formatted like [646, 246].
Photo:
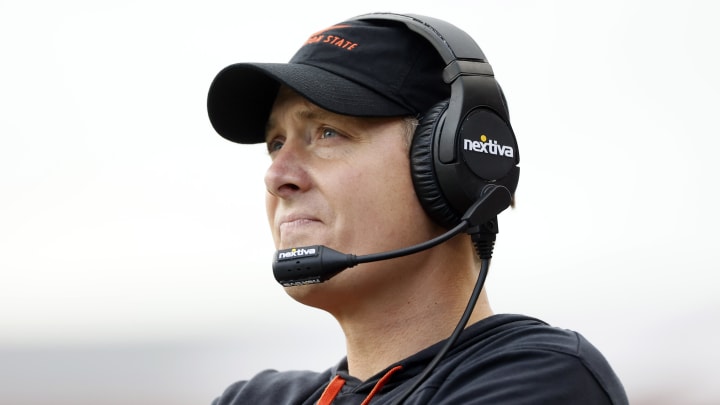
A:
[340, 181]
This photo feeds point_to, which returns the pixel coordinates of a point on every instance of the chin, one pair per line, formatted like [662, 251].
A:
[330, 295]
[313, 295]
[348, 289]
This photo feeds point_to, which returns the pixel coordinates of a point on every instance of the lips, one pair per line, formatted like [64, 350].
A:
[296, 222]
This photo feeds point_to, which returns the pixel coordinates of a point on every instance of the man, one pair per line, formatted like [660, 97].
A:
[342, 123]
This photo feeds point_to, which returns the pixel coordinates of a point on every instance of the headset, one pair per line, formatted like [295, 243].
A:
[466, 143]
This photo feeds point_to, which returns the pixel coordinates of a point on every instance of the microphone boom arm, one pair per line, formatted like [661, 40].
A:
[316, 264]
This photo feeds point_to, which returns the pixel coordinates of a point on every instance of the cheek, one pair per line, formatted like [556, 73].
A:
[270, 207]
[385, 188]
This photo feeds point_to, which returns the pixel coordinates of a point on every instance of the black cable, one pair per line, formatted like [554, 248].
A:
[484, 267]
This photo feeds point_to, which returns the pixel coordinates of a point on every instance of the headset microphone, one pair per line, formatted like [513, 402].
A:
[316, 264]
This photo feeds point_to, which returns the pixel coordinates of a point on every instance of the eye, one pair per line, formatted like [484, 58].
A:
[274, 145]
[326, 132]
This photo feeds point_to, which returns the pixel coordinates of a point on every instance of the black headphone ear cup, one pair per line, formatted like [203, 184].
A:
[422, 166]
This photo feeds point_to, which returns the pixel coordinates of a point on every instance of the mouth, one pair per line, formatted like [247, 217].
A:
[292, 224]
[296, 223]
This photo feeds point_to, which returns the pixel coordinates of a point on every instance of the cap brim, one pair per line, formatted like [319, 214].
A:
[241, 97]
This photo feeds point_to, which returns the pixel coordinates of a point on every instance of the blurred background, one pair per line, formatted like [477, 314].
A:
[134, 253]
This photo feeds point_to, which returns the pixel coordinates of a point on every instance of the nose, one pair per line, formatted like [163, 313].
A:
[287, 174]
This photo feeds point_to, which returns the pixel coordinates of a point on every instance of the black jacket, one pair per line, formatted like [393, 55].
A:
[503, 359]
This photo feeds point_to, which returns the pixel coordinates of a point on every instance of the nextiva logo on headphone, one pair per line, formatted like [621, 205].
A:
[465, 143]
[486, 146]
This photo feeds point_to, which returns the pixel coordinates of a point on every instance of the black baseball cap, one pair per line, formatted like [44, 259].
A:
[368, 68]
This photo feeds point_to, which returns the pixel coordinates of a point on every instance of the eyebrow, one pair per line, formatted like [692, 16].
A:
[309, 112]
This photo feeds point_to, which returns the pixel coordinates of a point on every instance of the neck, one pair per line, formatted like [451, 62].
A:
[410, 312]
[372, 349]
